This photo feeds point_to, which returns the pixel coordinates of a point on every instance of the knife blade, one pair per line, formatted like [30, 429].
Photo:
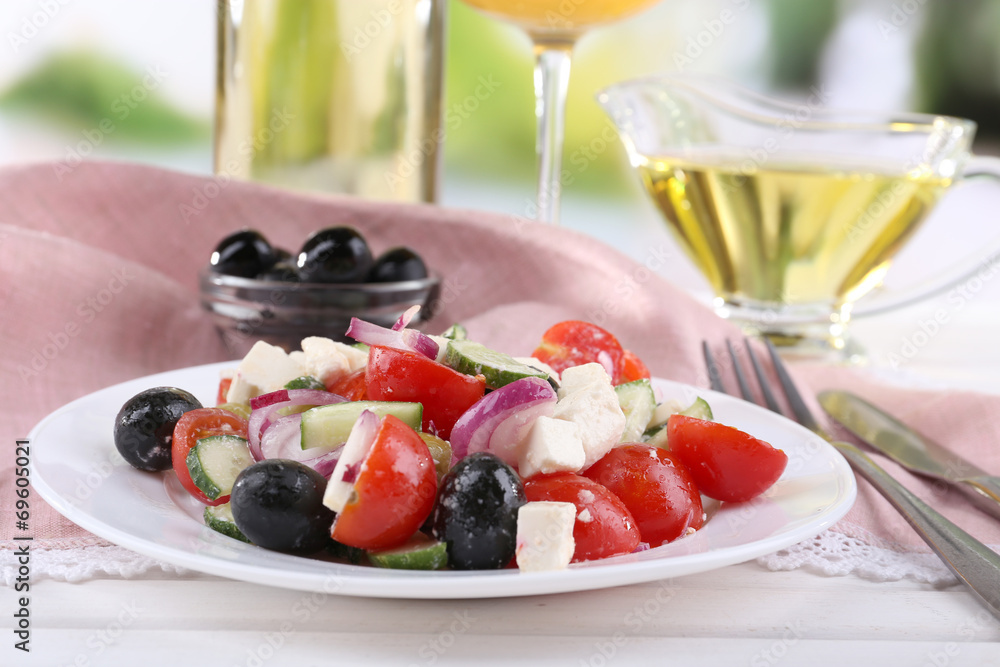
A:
[912, 450]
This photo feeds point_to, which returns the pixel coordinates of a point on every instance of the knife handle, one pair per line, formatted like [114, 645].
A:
[975, 564]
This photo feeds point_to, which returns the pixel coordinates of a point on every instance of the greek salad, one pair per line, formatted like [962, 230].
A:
[413, 451]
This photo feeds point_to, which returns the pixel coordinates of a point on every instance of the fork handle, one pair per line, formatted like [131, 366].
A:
[975, 564]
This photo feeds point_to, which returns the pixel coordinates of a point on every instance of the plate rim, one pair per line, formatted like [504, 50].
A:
[309, 574]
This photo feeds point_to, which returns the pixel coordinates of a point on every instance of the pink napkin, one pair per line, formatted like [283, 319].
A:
[98, 285]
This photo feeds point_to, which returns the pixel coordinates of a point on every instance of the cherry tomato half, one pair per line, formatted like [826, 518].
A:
[604, 527]
[572, 343]
[394, 491]
[726, 463]
[656, 488]
[634, 369]
[193, 426]
[399, 375]
[350, 386]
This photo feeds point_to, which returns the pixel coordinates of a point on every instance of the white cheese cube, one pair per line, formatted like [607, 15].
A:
[325, 359]
[577, 377]
[553, 445]
[587, 399]
[265, 368]
[545, 536]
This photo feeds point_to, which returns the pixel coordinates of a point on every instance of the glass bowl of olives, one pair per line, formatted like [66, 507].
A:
[255, 291]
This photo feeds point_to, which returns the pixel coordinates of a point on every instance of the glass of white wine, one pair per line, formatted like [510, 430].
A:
[793, 212]
[554, 27]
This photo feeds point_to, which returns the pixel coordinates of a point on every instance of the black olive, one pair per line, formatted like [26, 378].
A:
[144, 427]
[398, 264]
[278, 505]
[286, 272]
[476, 512]
[335, 255]
[244, 253]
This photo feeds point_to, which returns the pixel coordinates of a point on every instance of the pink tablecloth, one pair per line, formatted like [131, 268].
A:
[99, 286]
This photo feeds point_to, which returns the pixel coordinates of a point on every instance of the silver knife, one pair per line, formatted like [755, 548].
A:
[912, 450]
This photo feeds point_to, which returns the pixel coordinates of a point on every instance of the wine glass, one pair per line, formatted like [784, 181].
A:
[554, 26]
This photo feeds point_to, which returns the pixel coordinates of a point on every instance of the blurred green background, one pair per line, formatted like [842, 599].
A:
[929, 55]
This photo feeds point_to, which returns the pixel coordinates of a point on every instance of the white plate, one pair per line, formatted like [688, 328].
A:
[78, 471]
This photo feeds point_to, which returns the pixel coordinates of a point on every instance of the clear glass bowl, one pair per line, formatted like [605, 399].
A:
[246, 310]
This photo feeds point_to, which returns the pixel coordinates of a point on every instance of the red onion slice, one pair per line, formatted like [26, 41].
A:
[405, 319]
[264, 417]
[401, 339]
[499, 422]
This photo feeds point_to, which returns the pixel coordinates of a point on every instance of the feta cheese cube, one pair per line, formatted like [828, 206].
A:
[545, 536]
[265, 368]
[553, 445]
[588, 399]
[325, 359]
[577, 377]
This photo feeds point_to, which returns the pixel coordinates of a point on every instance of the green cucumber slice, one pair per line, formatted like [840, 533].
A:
[455, 332]
[305, 382]
[329, 425]
[656, 435]
[220, 519]
[699, 409]
[420, 553]
[637, 401]
[499, 369]
[214, 463]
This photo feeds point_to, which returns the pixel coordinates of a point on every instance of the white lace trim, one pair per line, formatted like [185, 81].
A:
[82, 563]
[829, 553]
[835, 554]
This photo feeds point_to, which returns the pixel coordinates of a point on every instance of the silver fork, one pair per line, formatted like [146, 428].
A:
[976, 565]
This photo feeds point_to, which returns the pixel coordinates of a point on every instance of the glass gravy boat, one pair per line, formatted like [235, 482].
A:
[792, 212]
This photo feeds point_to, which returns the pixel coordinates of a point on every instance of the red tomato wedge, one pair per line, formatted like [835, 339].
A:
[224, 385]
[634, 369]
[399, 375]
[656, 488]
[604, 527]
[394, 491]
[726, 463]
[193, 426]
[350, 386]
[572, 343]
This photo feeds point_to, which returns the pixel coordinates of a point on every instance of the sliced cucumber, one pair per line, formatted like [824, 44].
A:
[637, 401]
[499, 369]
[656, 435]
[329, 425]
[214, 463]
[305, 382]
[455, 332]
[699, 409]
[420, 553]
[220, 519]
